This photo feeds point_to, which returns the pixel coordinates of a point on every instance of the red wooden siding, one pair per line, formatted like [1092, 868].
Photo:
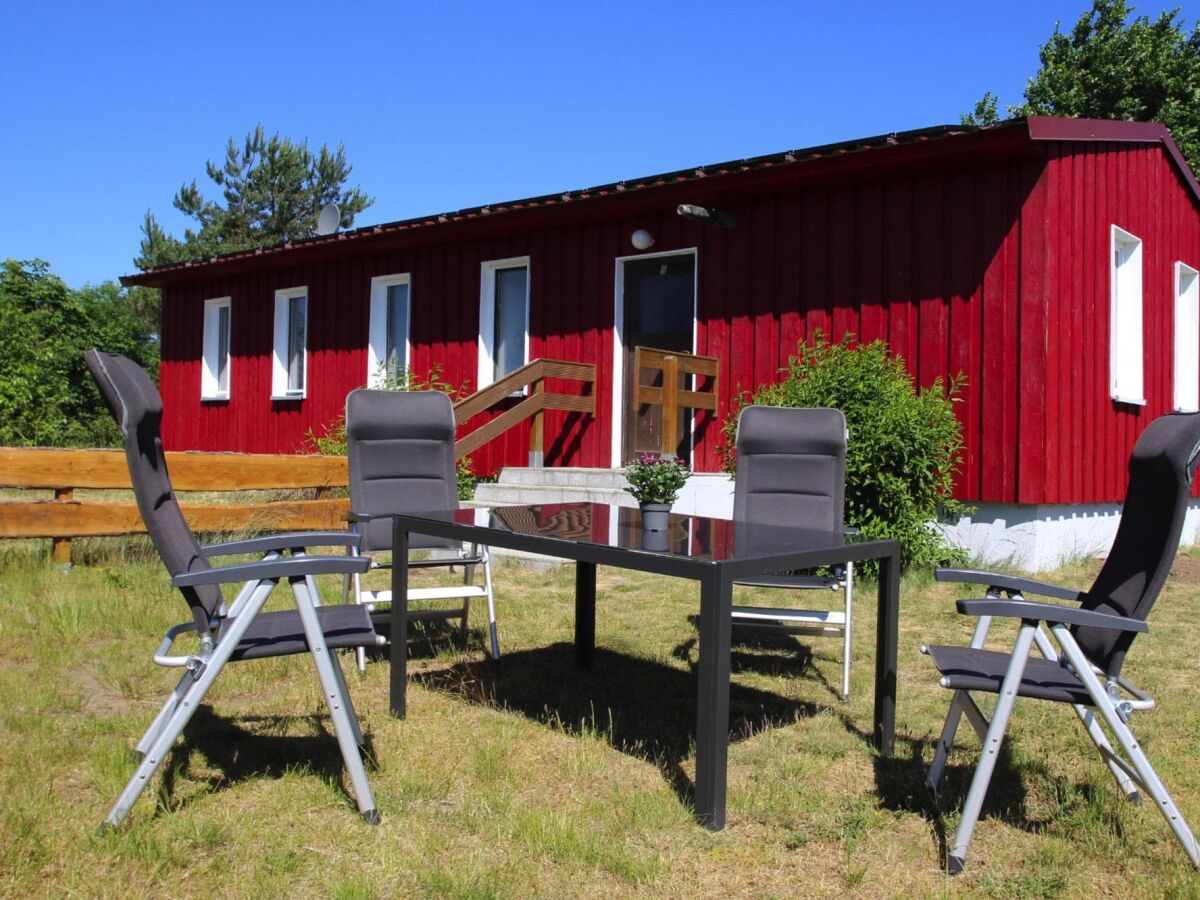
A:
[1090, 188]
[996, 267]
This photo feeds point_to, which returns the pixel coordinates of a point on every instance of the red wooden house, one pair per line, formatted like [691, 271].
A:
[1052, 261]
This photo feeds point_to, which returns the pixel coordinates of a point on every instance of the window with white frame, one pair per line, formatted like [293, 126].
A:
[388, 344]
[290, 369]
[214, 360]
[1187, 338]
[503, 318]
[1125, 321]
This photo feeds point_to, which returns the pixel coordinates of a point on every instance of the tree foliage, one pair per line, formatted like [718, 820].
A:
[271, 191]
[905, 445]
[1110, 66]
[47, 396]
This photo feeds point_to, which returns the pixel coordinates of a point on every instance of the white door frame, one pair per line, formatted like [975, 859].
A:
[618, 368]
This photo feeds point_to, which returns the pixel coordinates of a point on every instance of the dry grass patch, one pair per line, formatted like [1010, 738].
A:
[533, 778]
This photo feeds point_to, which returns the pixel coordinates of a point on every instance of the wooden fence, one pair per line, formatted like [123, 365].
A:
[65, 471]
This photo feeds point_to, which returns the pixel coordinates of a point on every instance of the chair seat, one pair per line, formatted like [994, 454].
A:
[968, 669]
[281, 633]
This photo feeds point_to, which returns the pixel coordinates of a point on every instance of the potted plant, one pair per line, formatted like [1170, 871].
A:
[654, 481]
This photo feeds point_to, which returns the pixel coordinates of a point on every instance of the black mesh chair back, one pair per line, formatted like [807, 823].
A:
[137, 407]
[791, 467]
[1156, 501]
[401, 455]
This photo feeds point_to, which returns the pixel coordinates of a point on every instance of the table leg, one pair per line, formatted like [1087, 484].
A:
[887, 627]
[712, 705]
[399, 651]
[585, 614]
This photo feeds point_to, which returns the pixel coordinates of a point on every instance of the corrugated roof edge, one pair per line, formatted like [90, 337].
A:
[1040, 128]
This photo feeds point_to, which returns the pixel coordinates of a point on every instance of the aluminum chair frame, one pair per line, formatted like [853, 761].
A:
[240, 630]
[1111, 615]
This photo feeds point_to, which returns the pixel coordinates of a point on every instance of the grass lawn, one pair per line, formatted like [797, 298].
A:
[532, 778]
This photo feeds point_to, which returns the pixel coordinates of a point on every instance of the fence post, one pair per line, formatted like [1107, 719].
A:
[536, 430]
[670, 407]
[60, 554]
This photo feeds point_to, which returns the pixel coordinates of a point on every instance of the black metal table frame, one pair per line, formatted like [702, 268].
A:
[716, 600]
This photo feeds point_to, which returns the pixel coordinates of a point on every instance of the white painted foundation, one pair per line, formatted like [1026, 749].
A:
[1042, 537]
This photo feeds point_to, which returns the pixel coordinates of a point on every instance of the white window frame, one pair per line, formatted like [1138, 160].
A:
[210, 363]
[1126, 356]
[1186, 372]
[378, 336]
[487, 313]
[279, 373]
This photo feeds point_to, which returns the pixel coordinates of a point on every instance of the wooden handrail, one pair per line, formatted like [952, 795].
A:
[671, 396]
[531, 406]
[518, 380]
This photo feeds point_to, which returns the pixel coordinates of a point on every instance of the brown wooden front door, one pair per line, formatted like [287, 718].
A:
[659, 310]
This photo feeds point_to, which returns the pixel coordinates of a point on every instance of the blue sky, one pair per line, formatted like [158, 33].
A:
[110, 107]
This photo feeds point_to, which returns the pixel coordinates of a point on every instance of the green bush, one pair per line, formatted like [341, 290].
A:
[905, 445]
[332, 440]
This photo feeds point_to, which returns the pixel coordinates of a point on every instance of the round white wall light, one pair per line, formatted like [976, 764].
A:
[642, 239]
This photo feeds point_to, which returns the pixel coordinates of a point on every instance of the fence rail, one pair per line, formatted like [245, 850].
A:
[65, 471]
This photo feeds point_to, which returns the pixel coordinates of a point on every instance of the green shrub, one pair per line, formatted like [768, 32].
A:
[332, 440]
[905, 445]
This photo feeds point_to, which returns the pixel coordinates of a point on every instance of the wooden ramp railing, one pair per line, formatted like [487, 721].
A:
[531, 406]
[672, 396]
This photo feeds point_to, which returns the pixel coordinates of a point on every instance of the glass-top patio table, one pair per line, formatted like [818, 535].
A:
[713, 552]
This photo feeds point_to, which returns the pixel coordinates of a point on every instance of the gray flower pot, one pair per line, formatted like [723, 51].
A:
[655, 516]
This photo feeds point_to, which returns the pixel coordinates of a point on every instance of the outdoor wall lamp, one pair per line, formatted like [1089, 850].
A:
[707, 216]
[641, 239]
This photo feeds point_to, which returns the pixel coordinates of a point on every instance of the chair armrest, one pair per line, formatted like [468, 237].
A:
[283, 567]
[1049, 612]
[283, 542]
[1009, 583]
[355, 515]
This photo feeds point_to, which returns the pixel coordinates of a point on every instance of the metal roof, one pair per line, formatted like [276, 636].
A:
[1037, 129]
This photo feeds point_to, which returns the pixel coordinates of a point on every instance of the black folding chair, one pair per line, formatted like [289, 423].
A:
[791, 470]
[239, 631]
[401, 457]
[1084, 669]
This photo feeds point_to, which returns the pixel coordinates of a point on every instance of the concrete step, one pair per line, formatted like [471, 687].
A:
[705, 494]
[605, 479]
[520, 494]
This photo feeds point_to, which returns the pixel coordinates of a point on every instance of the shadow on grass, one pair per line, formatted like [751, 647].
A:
[249, 747]
[640, 707]
[901, 784]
